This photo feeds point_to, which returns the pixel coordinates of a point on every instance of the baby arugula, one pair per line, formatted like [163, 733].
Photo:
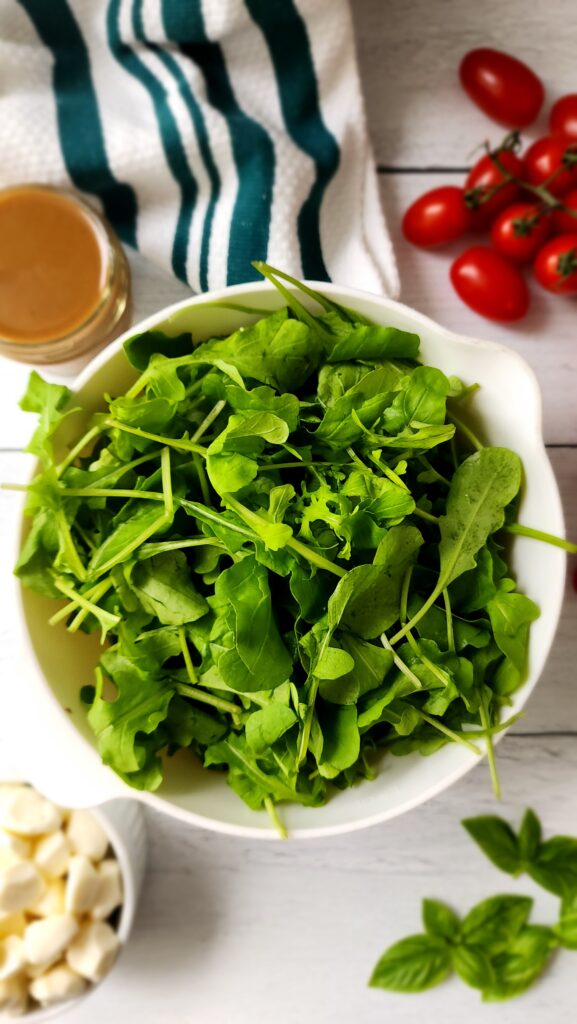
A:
[292, 548]
[494, 948]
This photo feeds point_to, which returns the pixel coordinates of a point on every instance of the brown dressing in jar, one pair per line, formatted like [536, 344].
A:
[64, 280]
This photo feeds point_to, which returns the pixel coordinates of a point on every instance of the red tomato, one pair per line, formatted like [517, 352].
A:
[489, 284]
[437, 217]
[502, 86]
[563, 116]
[564, 223]
[485, 176]
[520, 231]
[545, 158]
[556, 265]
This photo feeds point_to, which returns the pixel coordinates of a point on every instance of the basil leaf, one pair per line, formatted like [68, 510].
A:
[554, 866]
[497, 841]
[473, 966]
[493, 923]
[440, 920]
[414, 964]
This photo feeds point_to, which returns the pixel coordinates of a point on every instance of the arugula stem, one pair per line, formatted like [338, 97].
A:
[202, 479]
[402, 667]
[548, 538]
[484, 716]
[150, 550]
[314, 558]
[417, 616]
[82, 443]
[449, 614]
[435, 472]
[439, 673]
[96, 593]
[207, 515]
[67, 610]
[404, 601]
[166, 481]
[162, 520]
[100, 613]
[273, 814]
[182, 444]
[450, 734]
[70, 548]
[109, 492]
[307, 724]
[424, 515]
[195, 693]
[190, 669]
[474, 440]
[208, 420]
[355, 458]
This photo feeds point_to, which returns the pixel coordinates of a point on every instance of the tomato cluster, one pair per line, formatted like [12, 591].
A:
[526, 202]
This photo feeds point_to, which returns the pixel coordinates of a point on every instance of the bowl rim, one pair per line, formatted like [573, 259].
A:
[421, 323]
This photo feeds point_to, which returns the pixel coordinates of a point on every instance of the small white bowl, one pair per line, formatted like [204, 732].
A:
[60, 750]
[125, 825]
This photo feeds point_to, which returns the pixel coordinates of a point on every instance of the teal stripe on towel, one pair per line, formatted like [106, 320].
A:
[169, 134]
[288, 42]
[251, 145]
[197, 118]
[79, 124]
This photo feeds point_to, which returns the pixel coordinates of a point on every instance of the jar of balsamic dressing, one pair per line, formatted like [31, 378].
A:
[64, 278]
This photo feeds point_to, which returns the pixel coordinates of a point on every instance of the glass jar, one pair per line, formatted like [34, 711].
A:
[64, 278]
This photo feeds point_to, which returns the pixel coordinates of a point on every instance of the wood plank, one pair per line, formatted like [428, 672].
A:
[546, 338]
[409, 54]
[235, 931]
[551, 707]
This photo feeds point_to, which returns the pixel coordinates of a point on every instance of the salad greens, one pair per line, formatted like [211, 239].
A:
[292, 548]
[494, 948]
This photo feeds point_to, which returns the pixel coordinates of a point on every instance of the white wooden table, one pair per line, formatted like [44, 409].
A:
[233, 932]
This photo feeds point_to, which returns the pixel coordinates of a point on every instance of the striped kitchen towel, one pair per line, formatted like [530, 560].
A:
[212, 132]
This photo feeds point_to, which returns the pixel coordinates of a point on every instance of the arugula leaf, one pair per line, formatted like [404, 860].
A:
[164, 588]
[49, 401]
[265, 727]
[414, 964]
[247, 646]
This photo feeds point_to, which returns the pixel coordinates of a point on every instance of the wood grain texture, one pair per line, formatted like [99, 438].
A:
[409, 55]
[233, 932]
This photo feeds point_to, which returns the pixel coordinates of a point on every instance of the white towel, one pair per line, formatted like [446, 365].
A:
[210, 132]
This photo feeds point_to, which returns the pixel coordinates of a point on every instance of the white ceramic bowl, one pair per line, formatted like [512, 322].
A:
[60, 751]
[124, 823]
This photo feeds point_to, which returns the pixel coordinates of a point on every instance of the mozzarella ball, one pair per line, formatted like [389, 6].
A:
[12, 924]
[19, 847]
[86, 835]
[45, 941]
[56, 985]
[94, 950]
[21, 885]
[26, 812]
[109, 890]
[14, 995]
[52, 854]
[52, 900]
[81, 885]
[12, 958]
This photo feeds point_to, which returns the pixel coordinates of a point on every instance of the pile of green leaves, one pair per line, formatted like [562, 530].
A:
[291, 545]
[494, 948]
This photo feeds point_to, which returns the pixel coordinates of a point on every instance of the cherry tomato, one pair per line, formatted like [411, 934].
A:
[502, 86]
[564, 223]
[563, 116]
[485, 176]
[437, 217]
[489, 284]
[519, 232]
[556, 265]
[545, 158]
